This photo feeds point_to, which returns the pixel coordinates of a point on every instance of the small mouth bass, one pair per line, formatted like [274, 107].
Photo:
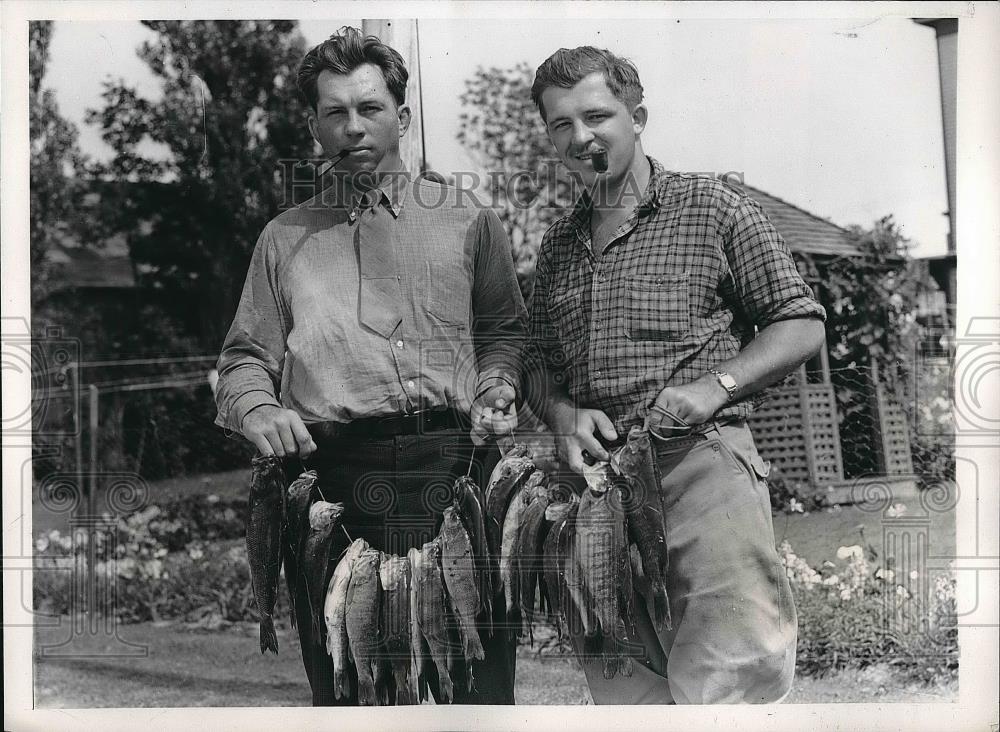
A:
[335, 615]
[394, 573]
[513, 474]
[469, 502]
[363, 597]
[644, 516]
[528, 555]
[512, 524]
[264, 539]
[552, 581]
[460, 581]
[432, 612]
[299, 496]
[602, 546]
[323, 517]
[418, 646]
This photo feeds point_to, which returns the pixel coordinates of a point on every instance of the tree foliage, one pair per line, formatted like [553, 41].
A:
[200, 170]
[55, 158]
[505, 134]
[871, 302]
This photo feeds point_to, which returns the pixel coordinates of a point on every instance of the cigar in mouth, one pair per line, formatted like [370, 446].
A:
[600, 161]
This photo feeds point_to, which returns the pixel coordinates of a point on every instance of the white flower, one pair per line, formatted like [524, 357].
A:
[848, 552]
[42, 543]
[212, 498]
[195, 553]
[161, 552]
[845, 594]
[914, 575]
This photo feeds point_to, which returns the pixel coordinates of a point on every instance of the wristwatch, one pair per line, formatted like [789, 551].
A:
[726, 381]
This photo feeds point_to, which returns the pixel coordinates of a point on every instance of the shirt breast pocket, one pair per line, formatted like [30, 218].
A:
[657, 308]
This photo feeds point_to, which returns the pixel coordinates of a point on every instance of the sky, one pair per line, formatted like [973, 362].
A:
[839, 117]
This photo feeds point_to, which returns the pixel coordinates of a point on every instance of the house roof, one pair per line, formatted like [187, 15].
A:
[84, 267]
[803, 231]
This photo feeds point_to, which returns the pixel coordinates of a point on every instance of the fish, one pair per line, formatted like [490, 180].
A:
[514, 474]
[335, 615]
[556, 513]
[299, 494]
[362, 621]
[512, 524]
[460, 582]
[433, 614]
[528, 555]
[580, 617]
[636, 462]
[603, 551]
[519, 450]
[315, 561]
[418, 646]
[469, 502]
[264, 539]
[394, 573]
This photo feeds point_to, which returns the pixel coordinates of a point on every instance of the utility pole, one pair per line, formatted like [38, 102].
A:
[402, 35]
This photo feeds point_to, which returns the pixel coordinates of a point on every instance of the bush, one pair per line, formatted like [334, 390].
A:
[185, 560]
[853, 617]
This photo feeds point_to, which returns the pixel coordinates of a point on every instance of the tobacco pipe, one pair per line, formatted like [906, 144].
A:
[333, 161]
[600, 161]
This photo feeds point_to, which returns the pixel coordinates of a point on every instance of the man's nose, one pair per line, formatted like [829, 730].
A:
[582, 135]
[353, 126]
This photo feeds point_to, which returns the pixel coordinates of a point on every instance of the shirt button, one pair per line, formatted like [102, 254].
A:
[597, 374]
[410, 384]
[399, 344]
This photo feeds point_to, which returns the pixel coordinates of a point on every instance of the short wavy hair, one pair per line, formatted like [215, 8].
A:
[567, 67]
[342, 53]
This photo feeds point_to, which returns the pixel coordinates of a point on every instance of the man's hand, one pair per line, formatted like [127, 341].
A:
[493, 412]
[278, 431]
[695, 403]
[576, 430]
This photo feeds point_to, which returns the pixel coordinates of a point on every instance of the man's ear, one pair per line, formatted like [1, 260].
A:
[313, 127]
[639, 116]
[405, 117]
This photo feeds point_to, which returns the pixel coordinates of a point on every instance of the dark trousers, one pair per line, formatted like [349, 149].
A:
[394, 490]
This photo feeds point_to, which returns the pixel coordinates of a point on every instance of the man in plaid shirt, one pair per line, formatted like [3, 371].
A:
[670, 299]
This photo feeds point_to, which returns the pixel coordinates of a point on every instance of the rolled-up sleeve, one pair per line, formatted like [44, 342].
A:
[254, 349]
[767, 282]
[500, 320]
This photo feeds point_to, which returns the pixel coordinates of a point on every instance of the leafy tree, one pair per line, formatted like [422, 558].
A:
[54, 160]
[504, 132]
[230, 121]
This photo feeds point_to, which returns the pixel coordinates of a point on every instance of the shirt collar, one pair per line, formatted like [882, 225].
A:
[391, 192]
[651, 198]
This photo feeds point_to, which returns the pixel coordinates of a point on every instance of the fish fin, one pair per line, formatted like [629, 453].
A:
[268, 637]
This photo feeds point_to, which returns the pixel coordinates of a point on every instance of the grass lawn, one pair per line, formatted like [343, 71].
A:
[186, 667]
[223, 667]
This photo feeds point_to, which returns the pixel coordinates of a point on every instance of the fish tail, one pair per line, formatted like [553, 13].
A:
[268, 637]
[339, 683]
[404, 690]
[446, 685]
[661, 608]
[366, 692]
[473, 645]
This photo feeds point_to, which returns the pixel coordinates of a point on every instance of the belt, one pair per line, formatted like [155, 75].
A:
[430, 420]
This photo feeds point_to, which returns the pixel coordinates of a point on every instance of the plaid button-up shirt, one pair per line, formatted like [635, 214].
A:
[678, 290]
